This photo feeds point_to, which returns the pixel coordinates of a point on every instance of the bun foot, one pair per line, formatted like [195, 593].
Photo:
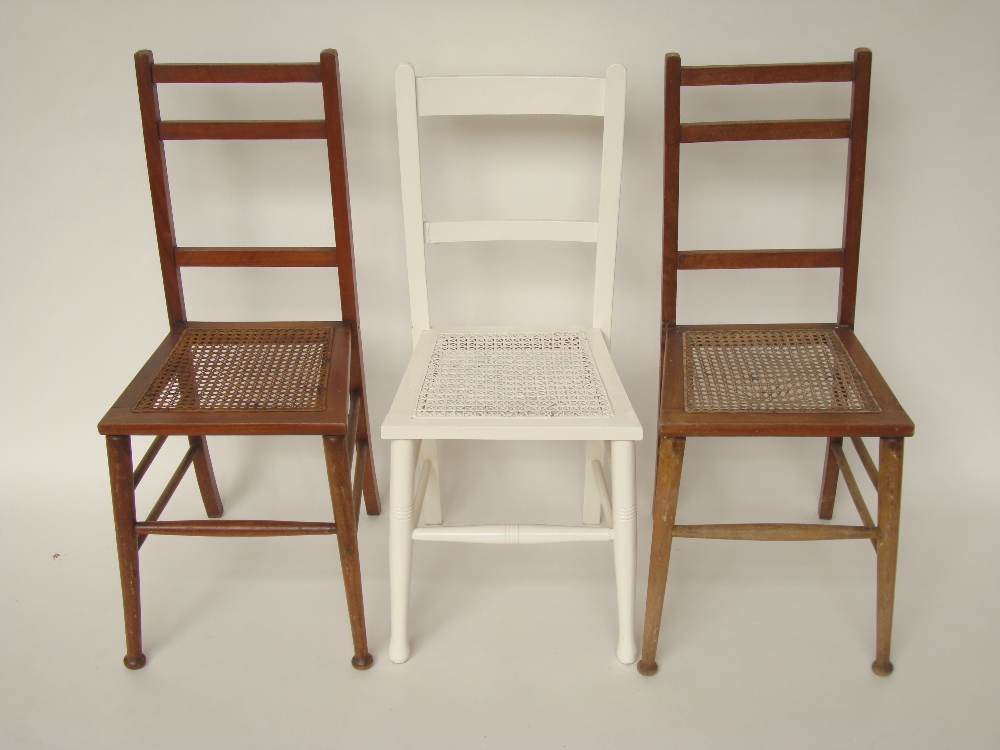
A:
[647, 668]
[882, 669]
[135, 662]
[362, 663]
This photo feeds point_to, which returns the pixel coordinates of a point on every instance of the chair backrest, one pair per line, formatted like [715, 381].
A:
[330, 128]
[854, 129]
[510, 95]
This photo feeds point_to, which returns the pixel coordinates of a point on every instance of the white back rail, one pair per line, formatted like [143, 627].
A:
[510, 95]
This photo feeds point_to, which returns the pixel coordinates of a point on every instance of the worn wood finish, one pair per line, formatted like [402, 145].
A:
[676, 422]
[856, 151]
[236, 73]
[338, 472]
[259, 257]
[147, 459]
[345, 409]
[736, 75]
[764, 130]
[669, 460]
[889, 423]
[235, 528]
[890, 474]
[866, 460]
[772, 532]
[241, 130]
[696, 260]
[828, 487]
[340, 195]
[123, 505]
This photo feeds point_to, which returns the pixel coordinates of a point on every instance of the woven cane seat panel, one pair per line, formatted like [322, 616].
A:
[243, 369]
[779, 370]
[512, 375]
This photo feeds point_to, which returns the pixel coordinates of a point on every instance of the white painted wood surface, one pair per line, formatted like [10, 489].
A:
[512, 533]
[510, 95]
[401, 457]
[623, 522]
[437, 232]
[414, 446]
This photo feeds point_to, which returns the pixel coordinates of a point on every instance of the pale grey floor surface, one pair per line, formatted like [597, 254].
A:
[763, 645]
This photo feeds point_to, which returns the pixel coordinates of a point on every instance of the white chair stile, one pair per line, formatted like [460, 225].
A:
[460, 383]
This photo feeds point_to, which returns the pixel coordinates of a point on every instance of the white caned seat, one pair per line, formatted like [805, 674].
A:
[507, 383]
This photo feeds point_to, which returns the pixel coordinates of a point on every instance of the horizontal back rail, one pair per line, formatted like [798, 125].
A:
[764, 130]
[696, 260]
[510, 95]
[739, 75]
[241, 130]
[488, 231]
[236, 73]
[265, 257]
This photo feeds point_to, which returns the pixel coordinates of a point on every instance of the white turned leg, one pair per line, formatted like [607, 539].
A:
[623, 510]
[431, 512]
[401, 524]
[591, 495]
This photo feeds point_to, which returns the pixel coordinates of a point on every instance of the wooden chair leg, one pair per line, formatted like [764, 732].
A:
[431, 509]
[373, 503]
[890, 482]
[206, 477]
[623, 510]
[828, 489]
[400, 546]
[591, 495]
[670, 458]
[339, 475]
[123, 504]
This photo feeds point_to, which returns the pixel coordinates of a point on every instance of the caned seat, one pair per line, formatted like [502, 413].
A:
[774, 380]
[497, 383]
[211, 378]
[789, 380]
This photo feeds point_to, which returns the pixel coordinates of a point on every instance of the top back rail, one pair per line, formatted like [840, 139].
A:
[510, 95]
[854, 129]
[330, 129]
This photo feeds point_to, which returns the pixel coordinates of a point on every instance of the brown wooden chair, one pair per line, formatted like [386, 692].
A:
[244, 378]
[774, 380]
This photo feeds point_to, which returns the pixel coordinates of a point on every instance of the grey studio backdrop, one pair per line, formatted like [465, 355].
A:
[247, 640]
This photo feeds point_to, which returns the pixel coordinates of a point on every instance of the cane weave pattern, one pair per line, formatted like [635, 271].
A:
[780, 370]
[512, 375]
[243, 369]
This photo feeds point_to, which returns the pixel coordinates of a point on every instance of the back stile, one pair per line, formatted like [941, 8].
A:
[671, 187]
[413, 216]
[149, 108]
[855, 185]
[333, 109]
[611, 182]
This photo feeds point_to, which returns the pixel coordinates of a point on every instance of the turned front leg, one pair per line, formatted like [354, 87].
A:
[623, 510]
[400, 545]
[123, 504]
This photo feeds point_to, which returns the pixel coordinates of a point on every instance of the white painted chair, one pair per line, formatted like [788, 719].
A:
[506, 383]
